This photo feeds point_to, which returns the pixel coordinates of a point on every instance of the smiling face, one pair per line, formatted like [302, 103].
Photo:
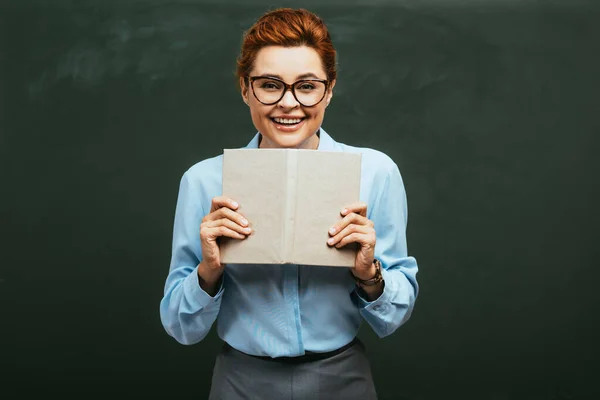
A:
[287, 123]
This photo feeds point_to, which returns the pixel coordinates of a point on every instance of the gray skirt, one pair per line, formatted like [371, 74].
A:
[343, 375]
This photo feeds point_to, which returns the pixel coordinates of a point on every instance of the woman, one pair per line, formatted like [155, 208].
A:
[289, 331]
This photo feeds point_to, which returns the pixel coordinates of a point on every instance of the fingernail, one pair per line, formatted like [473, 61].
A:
[332, 230]
[345, 211]
[247, 230]
[330, 241]
[244, 221]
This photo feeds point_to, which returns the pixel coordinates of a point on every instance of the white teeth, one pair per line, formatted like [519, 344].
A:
[287, 121]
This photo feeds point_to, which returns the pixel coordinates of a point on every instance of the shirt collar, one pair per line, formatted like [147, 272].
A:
[326, 142]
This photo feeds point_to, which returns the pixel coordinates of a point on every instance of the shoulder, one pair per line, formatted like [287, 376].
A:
[375, 163]
[375, 157]
[380, 175]
[202, 180]
[206, 170]
[381, 185]
[199, 184]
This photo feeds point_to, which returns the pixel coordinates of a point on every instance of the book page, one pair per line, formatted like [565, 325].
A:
[256, 179]
[325, 183]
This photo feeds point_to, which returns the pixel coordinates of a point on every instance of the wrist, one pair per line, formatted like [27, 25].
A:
[365, 275]
[372, 293]
[209, 278]
[371, 277]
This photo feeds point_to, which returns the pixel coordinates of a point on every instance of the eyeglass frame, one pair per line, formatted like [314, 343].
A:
[287, 87]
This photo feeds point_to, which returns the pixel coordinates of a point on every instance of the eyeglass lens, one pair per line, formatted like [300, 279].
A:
[270, 91]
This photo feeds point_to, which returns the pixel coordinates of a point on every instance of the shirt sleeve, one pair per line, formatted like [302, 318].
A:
[395, 305]
[187, 312]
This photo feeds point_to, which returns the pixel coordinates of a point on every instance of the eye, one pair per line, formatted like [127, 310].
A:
[270, 85]
[306, 86]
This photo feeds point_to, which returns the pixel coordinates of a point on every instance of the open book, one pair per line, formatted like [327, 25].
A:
[291, 198]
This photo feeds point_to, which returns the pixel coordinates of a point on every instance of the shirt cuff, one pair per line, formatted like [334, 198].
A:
[196, 295]
[382, 303]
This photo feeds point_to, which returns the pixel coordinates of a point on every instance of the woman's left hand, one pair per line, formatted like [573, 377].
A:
[355, 227]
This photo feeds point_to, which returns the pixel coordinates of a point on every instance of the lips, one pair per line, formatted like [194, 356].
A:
[288, 121]
[288, 124]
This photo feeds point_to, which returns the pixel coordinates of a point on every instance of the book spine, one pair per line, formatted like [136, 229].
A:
[291, 170]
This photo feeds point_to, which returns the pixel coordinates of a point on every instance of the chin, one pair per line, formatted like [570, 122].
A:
[288, 139]
[291, 141]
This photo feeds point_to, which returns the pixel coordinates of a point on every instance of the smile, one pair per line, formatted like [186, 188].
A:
[287, 121]
[288, 124]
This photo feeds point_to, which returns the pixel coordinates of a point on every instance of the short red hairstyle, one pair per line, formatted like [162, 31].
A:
[287, 27]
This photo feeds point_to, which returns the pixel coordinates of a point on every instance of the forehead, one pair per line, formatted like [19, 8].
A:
[288, 62]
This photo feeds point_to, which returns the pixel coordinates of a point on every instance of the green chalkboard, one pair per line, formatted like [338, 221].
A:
[490, 108]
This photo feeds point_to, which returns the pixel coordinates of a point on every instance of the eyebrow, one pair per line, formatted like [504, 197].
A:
[299, 77]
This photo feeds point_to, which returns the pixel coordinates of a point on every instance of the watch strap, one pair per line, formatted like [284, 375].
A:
[374, 280]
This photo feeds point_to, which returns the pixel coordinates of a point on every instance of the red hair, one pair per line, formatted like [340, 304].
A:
[287, 27]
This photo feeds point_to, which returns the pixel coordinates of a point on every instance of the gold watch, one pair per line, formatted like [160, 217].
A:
[374, 280]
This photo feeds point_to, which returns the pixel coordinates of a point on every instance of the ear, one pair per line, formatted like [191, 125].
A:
[244, 90]
[329, 94]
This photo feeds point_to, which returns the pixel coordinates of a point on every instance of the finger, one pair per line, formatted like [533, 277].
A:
[229, 224]
[351, 218]
[347, 231]
[225, 212]
[213, 233]
[364, 239]
[359, 208]
[222, 201]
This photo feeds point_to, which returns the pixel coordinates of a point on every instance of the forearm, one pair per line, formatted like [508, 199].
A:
[370, 292]
[187, 311]
[373, 292]
[391, 308]
[209, 279]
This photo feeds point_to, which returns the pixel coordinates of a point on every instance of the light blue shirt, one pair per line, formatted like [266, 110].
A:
[285, 310]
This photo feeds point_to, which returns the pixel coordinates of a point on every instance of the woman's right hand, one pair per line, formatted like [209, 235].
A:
[223, 220]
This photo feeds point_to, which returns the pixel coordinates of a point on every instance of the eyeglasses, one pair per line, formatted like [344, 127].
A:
[307, 92]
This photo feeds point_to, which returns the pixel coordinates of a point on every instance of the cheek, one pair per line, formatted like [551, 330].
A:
[254, 108]
[259, 112]
[317, 112]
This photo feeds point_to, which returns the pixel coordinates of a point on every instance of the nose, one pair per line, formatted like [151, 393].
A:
[288, 100]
